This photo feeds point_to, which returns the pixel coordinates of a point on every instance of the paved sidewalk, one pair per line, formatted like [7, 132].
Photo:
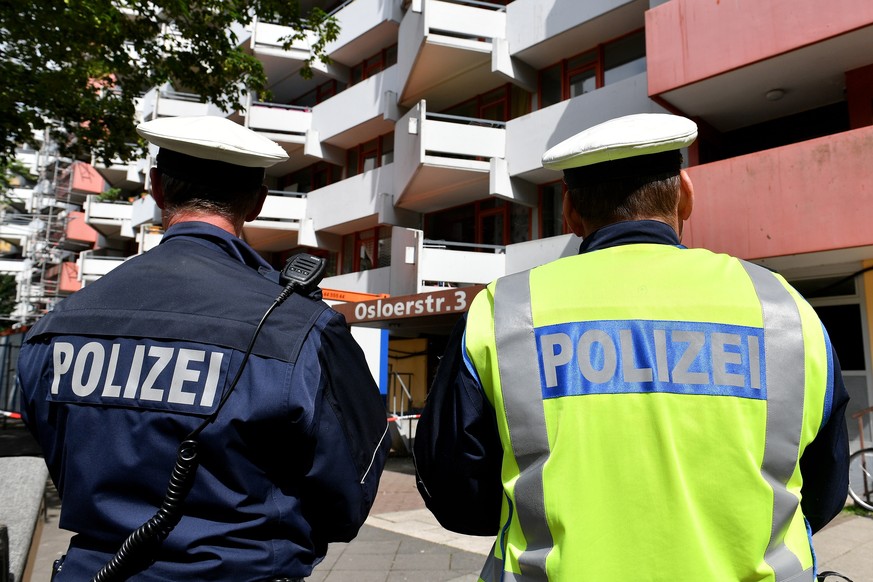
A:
[402, 541]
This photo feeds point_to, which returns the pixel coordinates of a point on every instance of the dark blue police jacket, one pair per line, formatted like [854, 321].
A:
[120, 372]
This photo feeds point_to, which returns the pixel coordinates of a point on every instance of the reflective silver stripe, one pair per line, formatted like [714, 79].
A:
[493, 568]
[785, 360]
[525, 417]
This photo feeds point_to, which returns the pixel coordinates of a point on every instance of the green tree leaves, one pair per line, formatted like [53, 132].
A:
[79, 65]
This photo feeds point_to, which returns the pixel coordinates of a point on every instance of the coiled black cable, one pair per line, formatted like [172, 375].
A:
[156, 530]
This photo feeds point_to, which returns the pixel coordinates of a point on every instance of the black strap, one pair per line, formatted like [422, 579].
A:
[829, 574]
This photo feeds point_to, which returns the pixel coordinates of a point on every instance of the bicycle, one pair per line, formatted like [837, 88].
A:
[861, 468]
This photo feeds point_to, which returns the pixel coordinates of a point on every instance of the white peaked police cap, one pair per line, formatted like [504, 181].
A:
[622, 138]
[213, 138]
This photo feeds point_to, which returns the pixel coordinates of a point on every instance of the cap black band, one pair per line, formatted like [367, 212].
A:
[212, 173]
[661, 164]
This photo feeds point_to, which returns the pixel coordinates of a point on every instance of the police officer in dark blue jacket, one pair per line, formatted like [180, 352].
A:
[290, 430]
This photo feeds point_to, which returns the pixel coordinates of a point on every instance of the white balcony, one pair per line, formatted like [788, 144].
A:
[360, 113]
[124, 175]
[366, 27]
[537, 30]
[445, 51]
[531, 135]
[21, 199]
[144, 211]
[111, 219]
[352, 204]
[11, 266]
[287, 125]
[91, 267]
[148, 237]
[15, 229]
[440, 266]
[277, 226]
[372, 281]
[443, 161]
[163, 102]
[418, 266]
[282, 66]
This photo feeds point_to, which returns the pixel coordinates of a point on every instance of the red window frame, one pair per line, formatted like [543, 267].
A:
[369, 236]
[567, 73]
[360, 153]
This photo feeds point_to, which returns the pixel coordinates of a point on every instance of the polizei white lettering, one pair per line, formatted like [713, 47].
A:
[639, 356]
[102, 372]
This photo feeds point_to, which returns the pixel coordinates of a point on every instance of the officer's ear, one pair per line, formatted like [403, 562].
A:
[256, 211]
[157, 187]
[686, 196]
[574, 221]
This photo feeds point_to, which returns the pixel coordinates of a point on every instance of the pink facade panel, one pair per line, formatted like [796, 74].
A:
[801, 198]
[86, 180]
[79, 230]
[69, 281]
[691, 40]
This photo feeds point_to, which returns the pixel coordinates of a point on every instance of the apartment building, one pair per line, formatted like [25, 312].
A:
[415, 154]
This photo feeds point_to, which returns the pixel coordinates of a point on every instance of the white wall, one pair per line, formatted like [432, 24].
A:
[408, 147]
[371, 341]
[372, 281]
[530, 22]
[530, 254]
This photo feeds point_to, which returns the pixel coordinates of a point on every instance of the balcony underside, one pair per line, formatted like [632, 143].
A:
[437, 186]
[108, 228]
[811, 77]
[445, 73]
[296, 160]
[119, 177]
[363, 132]
[270, 236]
[376, 38]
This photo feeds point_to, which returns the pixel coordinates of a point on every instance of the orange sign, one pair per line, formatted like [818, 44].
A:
[352, 296]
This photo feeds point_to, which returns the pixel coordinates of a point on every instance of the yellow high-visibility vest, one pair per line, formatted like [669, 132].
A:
[653, 403]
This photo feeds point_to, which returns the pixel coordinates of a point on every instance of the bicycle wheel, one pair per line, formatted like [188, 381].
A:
[861, 478]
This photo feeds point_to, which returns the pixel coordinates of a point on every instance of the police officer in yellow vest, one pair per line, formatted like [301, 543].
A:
[640, 411]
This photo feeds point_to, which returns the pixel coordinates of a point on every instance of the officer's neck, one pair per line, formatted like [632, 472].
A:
[588, 227]
[209, 218]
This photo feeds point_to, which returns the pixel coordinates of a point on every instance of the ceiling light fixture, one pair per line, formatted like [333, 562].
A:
[774, 94]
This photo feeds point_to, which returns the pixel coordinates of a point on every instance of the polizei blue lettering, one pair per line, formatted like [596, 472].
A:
[609, 357]
[173, 375]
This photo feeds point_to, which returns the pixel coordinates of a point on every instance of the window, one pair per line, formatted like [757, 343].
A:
[367, 249]
[600, 66]
[487, 222]
[321, 93]
[370, 155]
[624, 58]
[311, 178]
[373, 65]
[551, 210]
[501, 104]
[582, 74]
